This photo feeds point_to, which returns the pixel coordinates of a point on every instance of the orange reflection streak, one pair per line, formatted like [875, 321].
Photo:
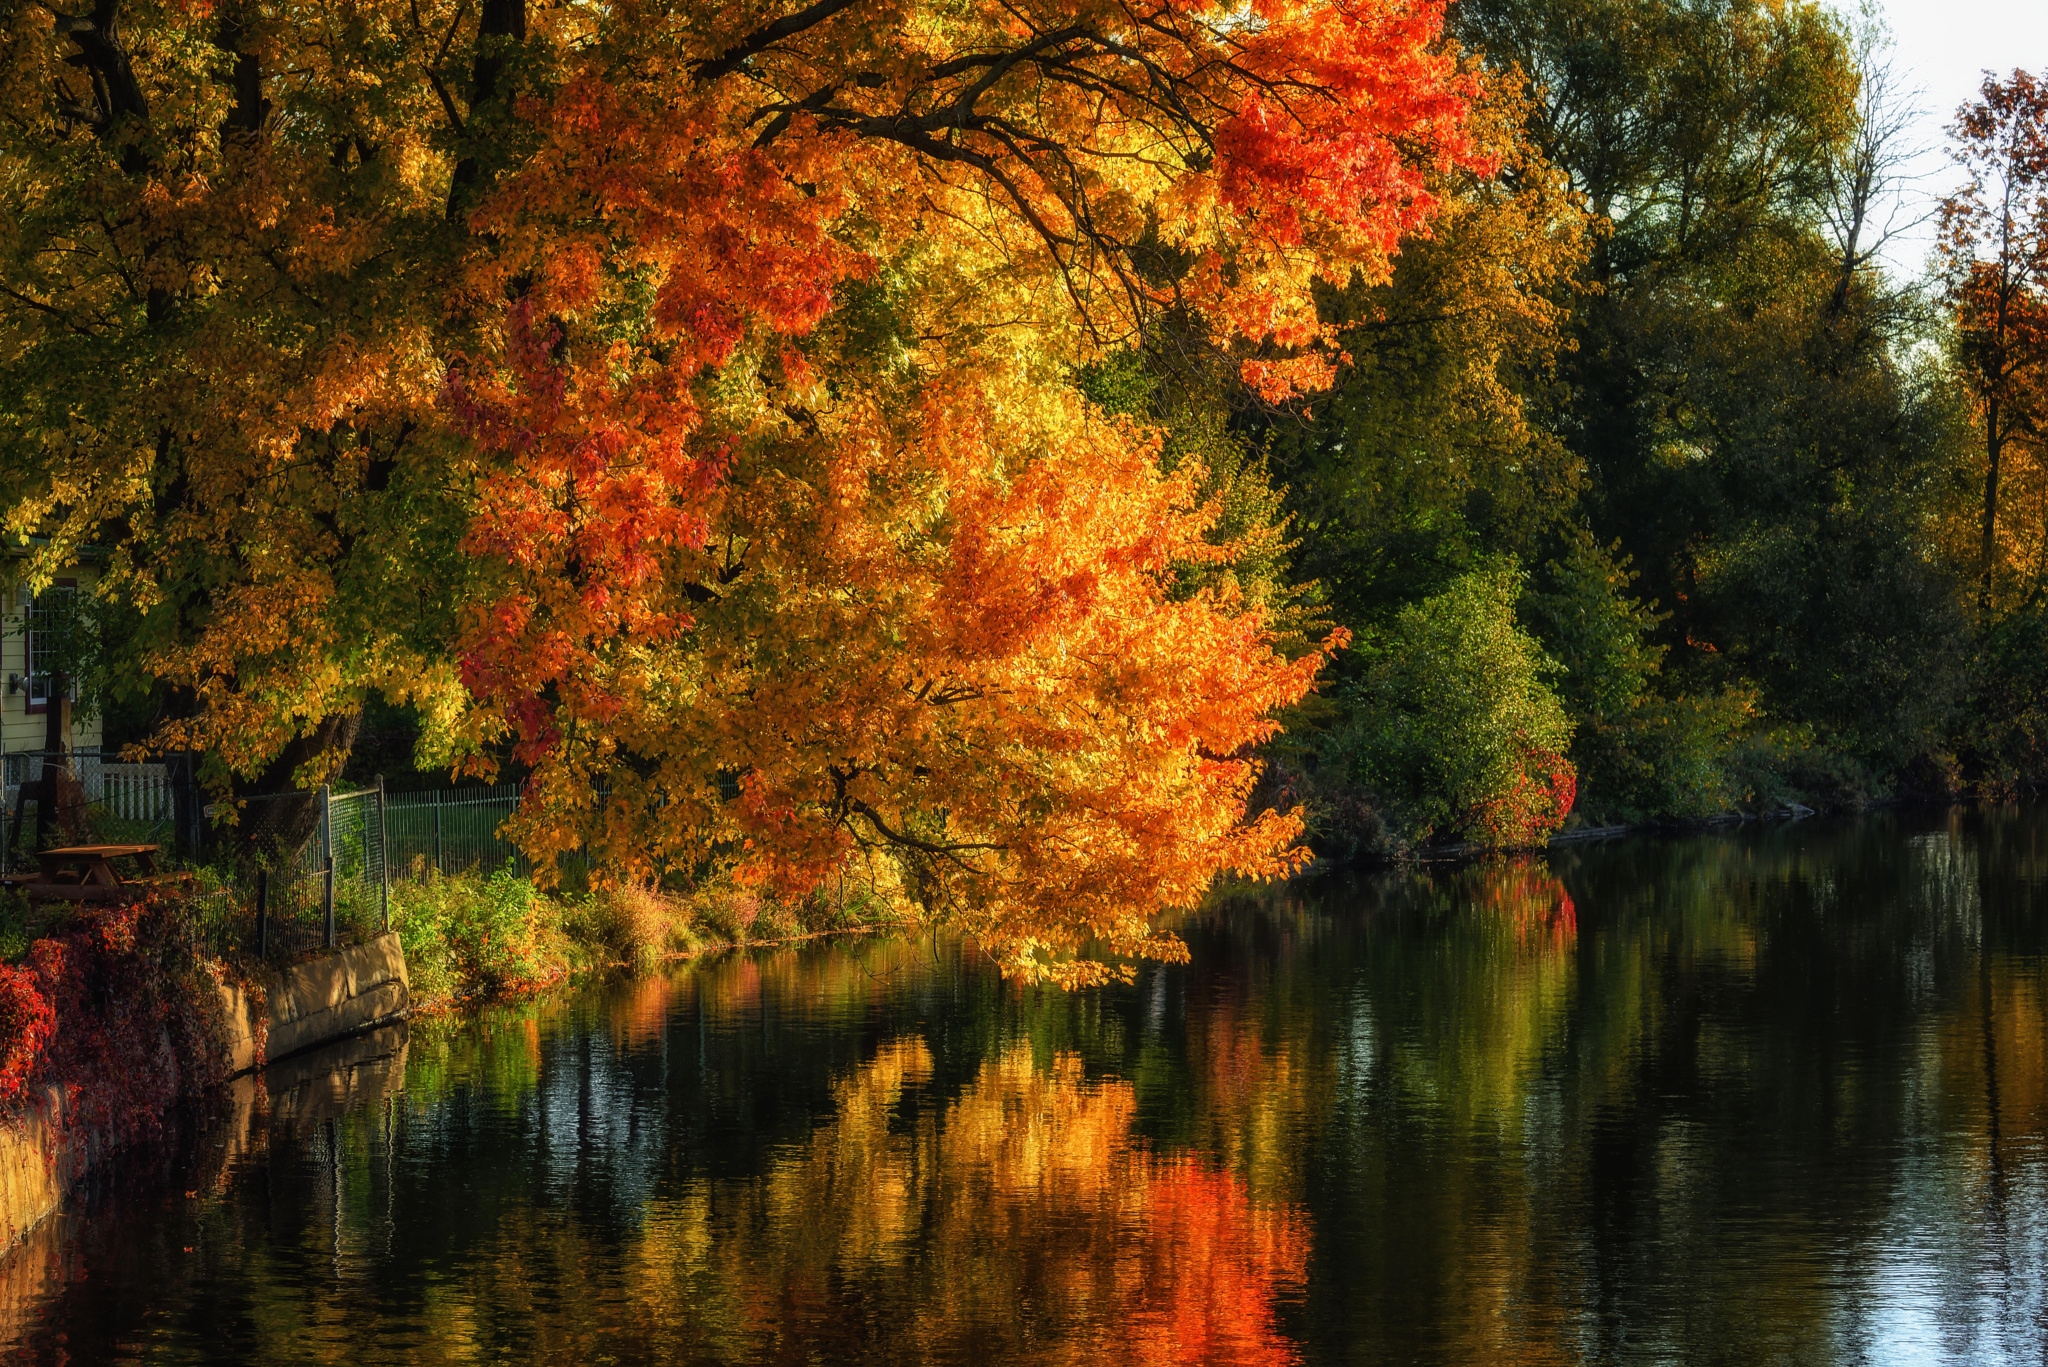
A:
[644, 1014]
[1209, 1270]
[1023, 1219]
[1528, 896]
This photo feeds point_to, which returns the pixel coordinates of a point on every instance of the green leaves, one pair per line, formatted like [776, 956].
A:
[1453, 715]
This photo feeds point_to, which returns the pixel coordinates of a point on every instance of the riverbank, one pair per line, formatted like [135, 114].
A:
[1359, 1119]
[471, 938]
[1792, 811]
[108, 1024]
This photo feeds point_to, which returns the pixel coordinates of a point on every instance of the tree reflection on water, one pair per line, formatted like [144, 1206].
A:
[1768, 1096]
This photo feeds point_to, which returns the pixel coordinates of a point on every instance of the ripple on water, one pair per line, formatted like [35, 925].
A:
[1768, 1096]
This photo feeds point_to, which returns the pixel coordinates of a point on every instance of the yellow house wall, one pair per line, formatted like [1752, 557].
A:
[21, 729]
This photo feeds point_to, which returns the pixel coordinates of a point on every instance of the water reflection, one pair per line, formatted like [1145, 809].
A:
[1767, 1096]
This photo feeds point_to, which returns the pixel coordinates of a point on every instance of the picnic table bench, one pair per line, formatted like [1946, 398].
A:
[86, 873]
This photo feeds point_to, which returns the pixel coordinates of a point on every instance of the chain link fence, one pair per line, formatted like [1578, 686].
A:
[320, 876]
[335, 885]
[318, 866]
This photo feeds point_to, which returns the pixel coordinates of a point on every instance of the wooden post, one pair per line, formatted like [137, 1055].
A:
[56, 745]
[383, 860]
[440, 866]
[263, 913]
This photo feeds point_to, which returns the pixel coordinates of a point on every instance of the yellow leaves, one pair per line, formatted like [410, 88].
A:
[691, 393]
[980, 698]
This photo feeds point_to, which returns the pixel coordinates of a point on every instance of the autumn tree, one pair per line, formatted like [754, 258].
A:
[677, 399]
[1994, 248]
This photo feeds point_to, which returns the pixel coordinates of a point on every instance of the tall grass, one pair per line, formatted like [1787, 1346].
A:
[469, 935]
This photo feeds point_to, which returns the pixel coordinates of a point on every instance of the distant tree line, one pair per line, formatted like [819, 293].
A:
[1643, 462]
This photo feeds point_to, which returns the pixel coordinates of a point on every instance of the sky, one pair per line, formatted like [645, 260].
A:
[1942, 47]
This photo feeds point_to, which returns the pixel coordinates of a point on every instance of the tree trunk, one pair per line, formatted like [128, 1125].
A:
[277, 816]
[1993, 449]
[499, 20]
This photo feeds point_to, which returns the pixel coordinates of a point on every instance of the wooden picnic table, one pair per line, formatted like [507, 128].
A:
[87, 872]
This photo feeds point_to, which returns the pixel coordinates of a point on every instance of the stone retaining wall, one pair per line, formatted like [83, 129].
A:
[35, 1166]
[312, 1003]
[309, 1004]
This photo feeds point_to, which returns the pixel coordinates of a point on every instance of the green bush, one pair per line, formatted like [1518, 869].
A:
[2008, 733]
[16, 930]
[1639, 753]
[1452, 724]
[466, 934]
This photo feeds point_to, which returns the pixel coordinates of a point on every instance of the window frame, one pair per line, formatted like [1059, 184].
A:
[37, 707]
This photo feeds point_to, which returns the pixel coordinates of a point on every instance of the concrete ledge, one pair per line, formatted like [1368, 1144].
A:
[341, 995]
[33, 1168]
[377, 1004]
[325, 999]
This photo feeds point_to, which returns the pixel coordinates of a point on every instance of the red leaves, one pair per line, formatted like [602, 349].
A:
[26, 1020]
[610, 472]
[1534, 807]
[115, 1011]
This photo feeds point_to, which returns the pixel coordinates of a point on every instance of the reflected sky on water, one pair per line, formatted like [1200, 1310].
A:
[1759, 1096]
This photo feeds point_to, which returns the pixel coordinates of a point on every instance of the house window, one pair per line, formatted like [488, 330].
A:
[51, 607]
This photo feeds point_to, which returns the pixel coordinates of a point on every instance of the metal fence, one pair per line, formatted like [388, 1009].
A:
[452, 831]
[319, 889]
[324, 862]
[336, 886]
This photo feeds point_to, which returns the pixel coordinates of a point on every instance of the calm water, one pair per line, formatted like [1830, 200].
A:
[1772, 1096]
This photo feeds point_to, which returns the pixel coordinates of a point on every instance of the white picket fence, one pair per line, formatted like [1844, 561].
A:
[133, 792]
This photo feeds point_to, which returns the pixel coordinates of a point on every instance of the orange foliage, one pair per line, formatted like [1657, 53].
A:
[683, 403]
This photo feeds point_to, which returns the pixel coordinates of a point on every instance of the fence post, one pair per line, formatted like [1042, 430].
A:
[327, 824]
[263, 913]
[440, 865]
[383, 860]
[327, 899]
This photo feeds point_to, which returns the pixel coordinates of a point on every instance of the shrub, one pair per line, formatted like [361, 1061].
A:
[634, 923]
[1639, 753]
[1452, 724]
[466, 934]
[15, 933]
[2008, 731]
[1682, 758]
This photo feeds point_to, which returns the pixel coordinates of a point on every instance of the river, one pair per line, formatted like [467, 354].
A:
[1770, 1095]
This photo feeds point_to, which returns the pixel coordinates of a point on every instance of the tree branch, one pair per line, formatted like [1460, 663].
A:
[734, 57]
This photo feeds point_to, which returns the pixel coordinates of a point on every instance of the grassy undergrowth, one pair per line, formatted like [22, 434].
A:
[473, 935]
